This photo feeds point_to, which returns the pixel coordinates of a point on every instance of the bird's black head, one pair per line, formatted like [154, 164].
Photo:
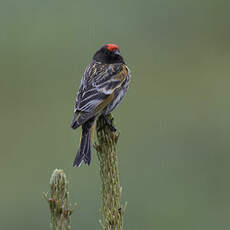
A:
[108, 54]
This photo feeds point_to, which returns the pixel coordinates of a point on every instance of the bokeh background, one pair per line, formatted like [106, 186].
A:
[174, 145]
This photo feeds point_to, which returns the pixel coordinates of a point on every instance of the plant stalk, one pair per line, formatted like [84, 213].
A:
[60, 207]
[112, 210]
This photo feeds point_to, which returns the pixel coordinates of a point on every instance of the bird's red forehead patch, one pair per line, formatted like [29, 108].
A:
[112, 47]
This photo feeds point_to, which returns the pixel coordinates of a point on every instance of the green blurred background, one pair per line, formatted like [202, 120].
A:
[174, 122]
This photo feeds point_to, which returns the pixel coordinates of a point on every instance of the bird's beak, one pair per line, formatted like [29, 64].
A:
[117, 52]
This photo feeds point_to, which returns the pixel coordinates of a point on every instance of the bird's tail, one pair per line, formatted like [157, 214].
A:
[84, 151]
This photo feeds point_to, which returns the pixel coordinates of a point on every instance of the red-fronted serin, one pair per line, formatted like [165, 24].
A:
[103, 85]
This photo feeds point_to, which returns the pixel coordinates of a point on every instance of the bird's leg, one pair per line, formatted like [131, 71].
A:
[109, 123]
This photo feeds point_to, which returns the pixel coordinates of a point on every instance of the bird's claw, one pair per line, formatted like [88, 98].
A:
[109, 123]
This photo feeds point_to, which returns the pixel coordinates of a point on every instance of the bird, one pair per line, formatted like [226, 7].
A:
[103, 85]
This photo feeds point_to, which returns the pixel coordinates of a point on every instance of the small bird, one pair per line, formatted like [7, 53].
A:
[103, 85]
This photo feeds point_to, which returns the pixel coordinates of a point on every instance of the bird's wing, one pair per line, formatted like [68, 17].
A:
[97, 89]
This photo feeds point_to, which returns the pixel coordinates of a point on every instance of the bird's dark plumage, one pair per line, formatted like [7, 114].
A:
[103, 85]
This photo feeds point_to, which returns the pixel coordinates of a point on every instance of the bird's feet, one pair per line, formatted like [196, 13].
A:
[109, 123]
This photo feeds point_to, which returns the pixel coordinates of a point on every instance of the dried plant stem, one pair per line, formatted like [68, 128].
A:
[112, 211]
[60, 207]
